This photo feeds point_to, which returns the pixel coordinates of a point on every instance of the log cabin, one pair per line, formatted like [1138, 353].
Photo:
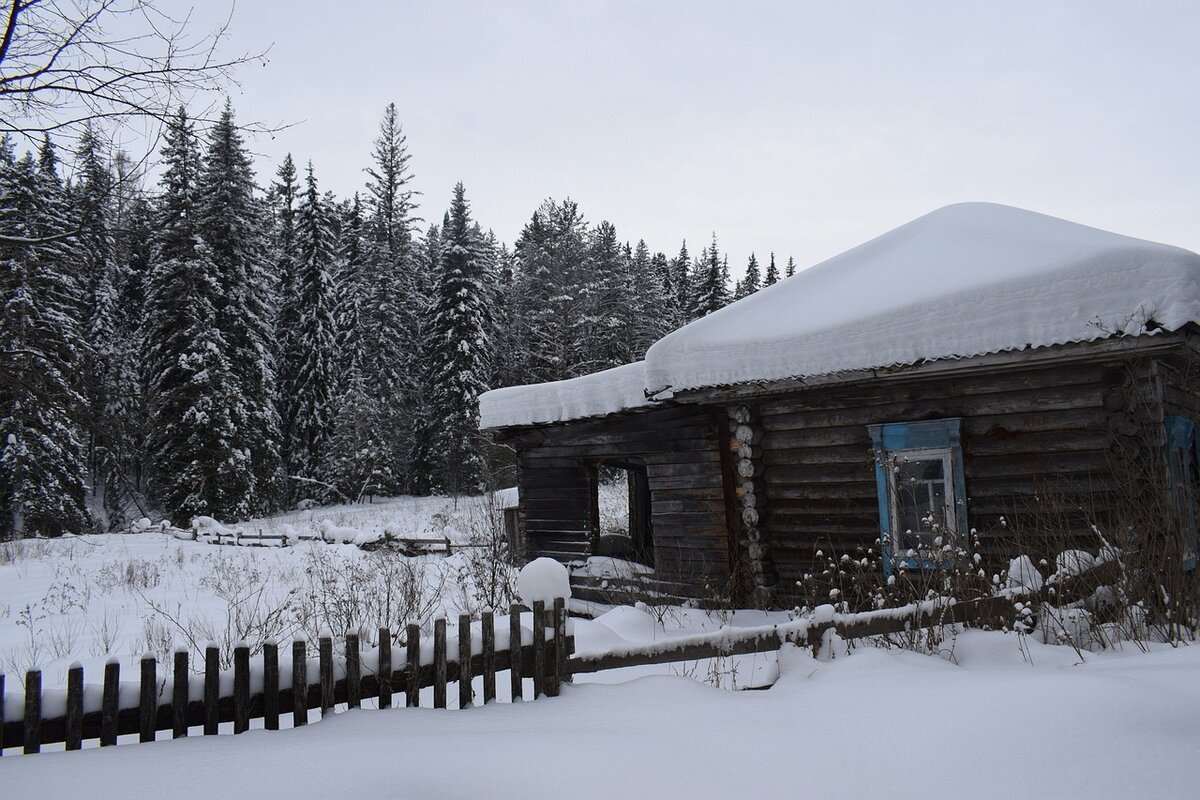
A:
[978, 372]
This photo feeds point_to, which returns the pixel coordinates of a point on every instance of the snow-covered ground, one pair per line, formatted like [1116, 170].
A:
[873, 723]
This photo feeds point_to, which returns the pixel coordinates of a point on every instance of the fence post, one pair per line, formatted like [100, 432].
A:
[179, 695]
[465, 676]
[270, 656]
[1, 713]
[299, 685]
[110, 703]
[412, 667]
[384, 668]
[539, 648]
[241, 688]
[439, 662]
[353, 672]
[148, 699]
[326, 674]
[560, 644]
[74, 738]
[489, 657]
[33, 711]
[212, 690]
[515, 652]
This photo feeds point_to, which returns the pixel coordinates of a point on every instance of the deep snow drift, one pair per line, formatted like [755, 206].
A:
[870, 724]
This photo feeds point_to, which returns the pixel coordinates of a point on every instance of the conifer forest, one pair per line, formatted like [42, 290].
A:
[214, 341]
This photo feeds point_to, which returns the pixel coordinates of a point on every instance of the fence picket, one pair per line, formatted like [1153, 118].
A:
[241, 689]
[539, 648]
[384, 668]
[33, 711]
[212, 690]
[74, 732]
[1, 713]
[412, 667]
[109, 703]
[270, 655]
[353, 672]
[148, 699]
[179, 695]
[561, 675]
[439, 662]
[464, 661]
[299, 685]
[514, 653]
[326, 674]
[489, 657]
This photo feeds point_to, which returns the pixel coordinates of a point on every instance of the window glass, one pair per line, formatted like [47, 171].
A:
[921, 508]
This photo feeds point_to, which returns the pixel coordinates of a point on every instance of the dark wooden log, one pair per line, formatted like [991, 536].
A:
[464, 661]
[33, 711]
[326, 674]
[179, 695]
[110, 703]
[299, 685]
[489, 657]
[539, 648]
[439, 662]
[384, 668]
[1, 713]
[270, 657]
[148, 699]
[241, 689]
[561, 674]
[353, 672]
[514, 648]
[212, 691]
[74, 737]
[412, 667]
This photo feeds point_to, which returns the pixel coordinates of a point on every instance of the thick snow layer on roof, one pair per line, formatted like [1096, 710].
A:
[963, 280]
[594, 395]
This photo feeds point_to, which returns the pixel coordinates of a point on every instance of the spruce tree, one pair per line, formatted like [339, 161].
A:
[682, 283]
[43, 473]
[772, 272]
[461, 352]
[752, 282]
[712, 285]
[791, 268]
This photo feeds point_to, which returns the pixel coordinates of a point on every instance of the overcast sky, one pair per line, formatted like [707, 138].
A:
[799, 127]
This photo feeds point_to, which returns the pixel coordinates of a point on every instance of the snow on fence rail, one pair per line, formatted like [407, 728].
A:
[545, 658]
[242, 694]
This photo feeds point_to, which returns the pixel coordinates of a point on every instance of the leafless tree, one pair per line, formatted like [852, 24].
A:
[68, 63]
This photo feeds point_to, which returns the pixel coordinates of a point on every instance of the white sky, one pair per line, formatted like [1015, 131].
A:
[799, 127]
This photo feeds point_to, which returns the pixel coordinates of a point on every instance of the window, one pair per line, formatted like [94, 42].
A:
[920, 483]
[621, 521]
[1182, 448]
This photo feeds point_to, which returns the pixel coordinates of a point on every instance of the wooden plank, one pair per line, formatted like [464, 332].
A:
[561, 675]
[489, 656]
[384, 669]
[74, 737]
[299, 684]
[325, 667]
[179, 694]
[270, 656]
[539, 648]
[514, 648]
[212, 690]
[147, 699]
[464, 661]
[109, 703]
[412, 686]
[353, 672]
[241, 688]
[33, 711]
[439, 662]
[2, 714]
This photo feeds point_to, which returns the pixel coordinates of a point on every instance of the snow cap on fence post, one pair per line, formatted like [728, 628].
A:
[543, 579]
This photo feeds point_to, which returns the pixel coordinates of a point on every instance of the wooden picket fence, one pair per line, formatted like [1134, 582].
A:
[544, 660]
[547, 659]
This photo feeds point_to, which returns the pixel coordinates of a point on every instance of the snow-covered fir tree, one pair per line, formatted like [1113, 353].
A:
[772, 277]
[43, 473]
[460, 352]
[752, 282]
[791, 268]
[712, 288]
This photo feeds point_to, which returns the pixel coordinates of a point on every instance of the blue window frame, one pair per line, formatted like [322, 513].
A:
[1183, 447]
[921, 488]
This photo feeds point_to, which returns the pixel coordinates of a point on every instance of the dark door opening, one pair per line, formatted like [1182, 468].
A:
[621, 518]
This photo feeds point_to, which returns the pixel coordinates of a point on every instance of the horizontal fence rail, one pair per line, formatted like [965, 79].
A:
[155, 703]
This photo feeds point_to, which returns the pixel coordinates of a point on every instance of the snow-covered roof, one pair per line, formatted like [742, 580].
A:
[606, 392]
[964, 280]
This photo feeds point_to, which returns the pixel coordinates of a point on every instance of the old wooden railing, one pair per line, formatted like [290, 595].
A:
[181, 703]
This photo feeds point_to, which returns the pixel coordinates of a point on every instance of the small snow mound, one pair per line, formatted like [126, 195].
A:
[543, 579]
[142, 525]
[1022, 574]
[1073, 562]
